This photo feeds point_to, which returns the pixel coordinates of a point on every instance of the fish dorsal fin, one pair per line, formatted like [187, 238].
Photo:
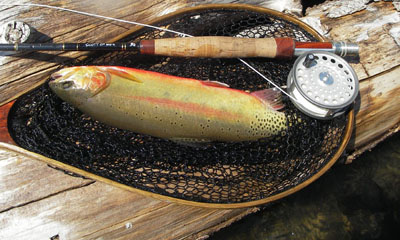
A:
[120, 72]
[271, 97]
[215, 84]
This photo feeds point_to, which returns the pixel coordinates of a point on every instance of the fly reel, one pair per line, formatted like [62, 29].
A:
[322, 84]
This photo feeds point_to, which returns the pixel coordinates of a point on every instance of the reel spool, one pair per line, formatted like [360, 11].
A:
[322, 84]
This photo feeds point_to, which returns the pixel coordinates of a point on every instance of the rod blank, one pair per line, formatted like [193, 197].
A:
[69, 47]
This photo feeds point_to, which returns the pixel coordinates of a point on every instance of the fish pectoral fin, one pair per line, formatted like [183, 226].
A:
[271, 97]
[192, 142]
[215, 84]
[120, 72]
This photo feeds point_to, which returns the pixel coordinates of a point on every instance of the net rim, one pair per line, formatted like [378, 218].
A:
[327, 166]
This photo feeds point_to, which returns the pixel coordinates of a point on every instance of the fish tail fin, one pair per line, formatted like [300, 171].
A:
[272, 97]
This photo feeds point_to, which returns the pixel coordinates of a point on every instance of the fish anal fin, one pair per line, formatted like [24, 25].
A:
[215, 84]
[120, 72]
[271, 97]
[191, 142]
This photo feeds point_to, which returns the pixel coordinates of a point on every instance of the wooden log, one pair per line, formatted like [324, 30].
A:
[16, 188]
[21, 73]
[78, 208]
[375, 27]
[81, 209]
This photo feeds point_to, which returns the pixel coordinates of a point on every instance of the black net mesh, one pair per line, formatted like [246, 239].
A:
[218, 173]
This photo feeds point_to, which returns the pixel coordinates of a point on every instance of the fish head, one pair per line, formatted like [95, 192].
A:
[77, 84]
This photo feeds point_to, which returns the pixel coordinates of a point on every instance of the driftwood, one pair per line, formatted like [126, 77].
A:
[39, 201]
[375, 27]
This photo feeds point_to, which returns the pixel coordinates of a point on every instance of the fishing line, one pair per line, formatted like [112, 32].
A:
[96, 16]
[271, 82]
[140, 24]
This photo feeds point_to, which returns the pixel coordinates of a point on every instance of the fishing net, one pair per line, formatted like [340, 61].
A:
[217, 173]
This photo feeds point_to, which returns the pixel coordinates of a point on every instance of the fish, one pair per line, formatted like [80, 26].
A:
[183, 110]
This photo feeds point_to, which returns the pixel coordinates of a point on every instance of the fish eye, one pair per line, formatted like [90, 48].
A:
[67, 84]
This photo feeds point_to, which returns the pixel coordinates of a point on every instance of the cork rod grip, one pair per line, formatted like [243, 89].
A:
[219, 47]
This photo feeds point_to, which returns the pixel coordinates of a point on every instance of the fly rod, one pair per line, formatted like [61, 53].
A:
[209, 46]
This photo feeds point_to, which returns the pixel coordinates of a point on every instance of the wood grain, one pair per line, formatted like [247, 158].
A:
[24, 181]
[44, 203]
[379, 52]
[22, 71]
[378, 111]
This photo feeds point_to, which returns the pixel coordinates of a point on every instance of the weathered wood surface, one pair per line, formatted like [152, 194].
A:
[73, 208]
[20, 73]
[16, 186]
[38, 202]
[376, 28]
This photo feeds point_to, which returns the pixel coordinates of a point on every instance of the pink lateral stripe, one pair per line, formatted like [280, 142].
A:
[189, 107]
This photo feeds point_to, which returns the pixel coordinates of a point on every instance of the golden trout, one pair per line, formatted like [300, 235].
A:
[179, 109]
